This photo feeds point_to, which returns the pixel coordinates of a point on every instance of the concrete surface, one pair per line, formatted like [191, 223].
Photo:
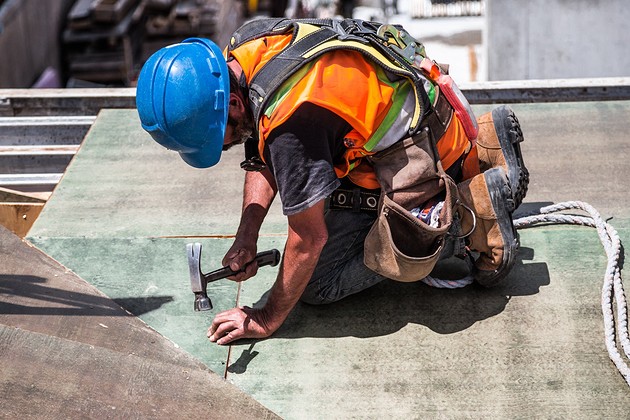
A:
[533, 348]
[556, 39]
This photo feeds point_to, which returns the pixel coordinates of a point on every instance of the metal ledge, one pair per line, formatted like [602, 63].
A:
[13, 180]
[23, 102]
[77, 102]
[44, 130]
[549, 90]
[46, 121]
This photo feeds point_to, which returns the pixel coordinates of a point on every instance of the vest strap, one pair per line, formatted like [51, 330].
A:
[285, 64]
[438, 119]
[282, 67]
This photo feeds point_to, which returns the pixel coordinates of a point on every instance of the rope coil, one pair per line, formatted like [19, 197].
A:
[612, 288]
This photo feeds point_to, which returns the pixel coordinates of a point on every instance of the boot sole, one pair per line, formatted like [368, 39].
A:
[510, 136]
[503, 206]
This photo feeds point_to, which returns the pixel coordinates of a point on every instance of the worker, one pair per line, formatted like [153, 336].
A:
[378, 172]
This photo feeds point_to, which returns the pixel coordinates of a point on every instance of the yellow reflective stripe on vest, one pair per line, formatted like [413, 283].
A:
[304, 30]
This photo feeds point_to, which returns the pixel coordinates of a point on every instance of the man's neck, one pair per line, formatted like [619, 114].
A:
[235, 67]
[238, 72]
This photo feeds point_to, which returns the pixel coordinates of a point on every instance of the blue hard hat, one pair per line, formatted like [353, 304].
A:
[182, 98]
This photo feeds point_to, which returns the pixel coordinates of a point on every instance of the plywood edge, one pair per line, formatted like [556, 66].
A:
[19, 217]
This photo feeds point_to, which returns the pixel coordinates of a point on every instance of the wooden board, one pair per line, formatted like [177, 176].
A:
[9, 195]
[19, 217]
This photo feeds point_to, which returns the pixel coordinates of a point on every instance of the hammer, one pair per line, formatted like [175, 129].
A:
[199, 281]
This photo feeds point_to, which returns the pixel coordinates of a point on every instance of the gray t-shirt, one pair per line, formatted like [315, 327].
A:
[301, 153]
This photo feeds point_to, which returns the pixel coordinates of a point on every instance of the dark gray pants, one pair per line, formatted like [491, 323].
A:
[340, 271]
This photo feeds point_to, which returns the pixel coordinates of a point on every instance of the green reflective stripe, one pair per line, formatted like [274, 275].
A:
[285, 88]
[431, 93]
[401, 91]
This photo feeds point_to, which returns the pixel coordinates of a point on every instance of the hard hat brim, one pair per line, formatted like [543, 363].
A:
[203, 158]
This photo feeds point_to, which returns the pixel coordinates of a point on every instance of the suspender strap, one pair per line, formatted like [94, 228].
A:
[253, 30]
[269, 26]
[283, 66]
[438, 119]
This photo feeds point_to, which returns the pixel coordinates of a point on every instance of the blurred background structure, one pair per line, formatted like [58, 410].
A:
[102, 45]
[91, 43]
[81, 43]
[556, 39]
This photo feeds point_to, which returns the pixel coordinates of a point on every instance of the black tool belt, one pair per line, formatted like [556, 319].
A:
[355, 199]
[438, 119]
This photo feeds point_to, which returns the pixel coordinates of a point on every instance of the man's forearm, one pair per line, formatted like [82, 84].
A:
[258, 194]
[306, 239]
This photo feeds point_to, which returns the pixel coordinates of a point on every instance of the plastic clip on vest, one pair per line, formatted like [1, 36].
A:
[182, 100]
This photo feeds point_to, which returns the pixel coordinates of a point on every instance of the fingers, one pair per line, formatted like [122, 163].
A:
[236, 323]
[226, 327]
[220, 318]
[230, 256]
[250, 271]
[241, 261]
[226, 333]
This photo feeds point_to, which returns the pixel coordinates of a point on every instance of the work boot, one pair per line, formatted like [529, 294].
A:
[485, 212]
[498, 144]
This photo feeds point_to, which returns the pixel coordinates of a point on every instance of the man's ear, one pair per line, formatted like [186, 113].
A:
[236, 103]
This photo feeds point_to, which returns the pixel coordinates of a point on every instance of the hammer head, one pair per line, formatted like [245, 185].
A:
[197, 281]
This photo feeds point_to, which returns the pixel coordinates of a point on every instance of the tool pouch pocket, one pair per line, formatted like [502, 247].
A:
[400, 246]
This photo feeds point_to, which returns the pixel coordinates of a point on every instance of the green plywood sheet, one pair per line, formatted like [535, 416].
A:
[533, 348]
[149, 278]
[123, 184]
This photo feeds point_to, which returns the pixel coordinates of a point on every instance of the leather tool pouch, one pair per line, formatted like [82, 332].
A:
[400, 246]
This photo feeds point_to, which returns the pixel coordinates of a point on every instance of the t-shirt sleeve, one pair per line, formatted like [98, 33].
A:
[300, 154]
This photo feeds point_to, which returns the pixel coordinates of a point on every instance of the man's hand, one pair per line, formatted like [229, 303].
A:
[242, 256]
[237, 323]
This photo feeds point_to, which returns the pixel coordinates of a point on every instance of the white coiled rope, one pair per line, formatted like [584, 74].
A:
[612, 289]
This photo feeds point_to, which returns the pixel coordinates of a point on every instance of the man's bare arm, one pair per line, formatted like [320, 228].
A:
[306, 238]
[258, 194]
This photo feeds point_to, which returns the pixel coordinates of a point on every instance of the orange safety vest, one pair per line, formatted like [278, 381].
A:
[346, 83]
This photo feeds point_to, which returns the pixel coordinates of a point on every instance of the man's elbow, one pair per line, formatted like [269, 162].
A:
[313, 240]
[308, 241]
[307, 230]
[319, 240]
